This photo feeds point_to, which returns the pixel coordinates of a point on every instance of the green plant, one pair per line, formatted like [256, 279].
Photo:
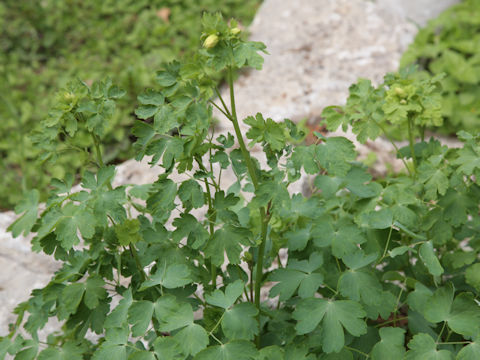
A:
[375, 269]
[45, 44]
[450, 44]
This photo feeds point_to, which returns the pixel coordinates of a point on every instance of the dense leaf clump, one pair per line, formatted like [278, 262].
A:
[450, 44]
[44, 44]
[175, 269]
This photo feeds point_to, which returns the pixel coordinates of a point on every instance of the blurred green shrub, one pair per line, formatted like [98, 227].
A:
[44, 44]
[450, 44]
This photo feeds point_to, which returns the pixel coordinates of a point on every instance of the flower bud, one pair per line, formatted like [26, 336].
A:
[403, 102]
[235, 31]
[400, 92]
[210, 41]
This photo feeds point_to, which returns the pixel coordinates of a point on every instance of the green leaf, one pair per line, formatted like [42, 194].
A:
[68, 351]
[162, 200]
[224, 300]
[272, 352]
[470, 352]
[110, 351]
[74, 219]
[238, 350]
[298, 352]
[335, 155]
[188, 226]
[423, 347]
[462, 314]
[246, 54]
[140, 315]
[171, 277]
[435, 180]
[472, 276]
[94, 291]
[118, 317]
[128, 232]
[358, 259]
[297, 238]
[297, 275]
[191, 194]
[29, 207]
[151, 97]
[398, 251]
[468, 159]
[172, 314]
[427, 254]
[142, 355]
[335, 316]
[30, 349]
[227, 239]
[240, 323]
[381, 219]
[4, 346]
[70, 299]
[344, 238]
[268, 131]
[192, 339]
[304, 156]
[166, 77]
[391, 346]
[168, 348]
[360, 285]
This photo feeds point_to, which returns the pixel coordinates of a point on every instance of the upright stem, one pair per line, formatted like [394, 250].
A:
[394, 145]
[133, 250]
[263, 217]
[411, 140]
[211, 220]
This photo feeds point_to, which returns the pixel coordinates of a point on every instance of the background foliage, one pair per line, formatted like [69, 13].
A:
[44, 44]
[450, 44]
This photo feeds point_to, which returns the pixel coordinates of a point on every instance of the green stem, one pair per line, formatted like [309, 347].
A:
[391, 321]
[98, 152]
[211, 221]
[133, 251]
[223, 102]
[411, 141]
[220, 109]
[386, 245]
[357, 351]
[441, 332]
[253, 176]
[394, 145]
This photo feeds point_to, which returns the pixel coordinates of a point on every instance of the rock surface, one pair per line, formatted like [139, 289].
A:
[317, 49]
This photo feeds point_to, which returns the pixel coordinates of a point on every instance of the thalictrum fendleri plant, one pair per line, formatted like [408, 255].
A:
[384, 269]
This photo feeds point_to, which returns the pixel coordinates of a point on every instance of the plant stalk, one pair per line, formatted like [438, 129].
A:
[411, 141]
[253, 176]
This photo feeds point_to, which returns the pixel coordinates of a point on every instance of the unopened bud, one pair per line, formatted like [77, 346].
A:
[400, 92]
[210, 41]
[235, 31]
[403, 102]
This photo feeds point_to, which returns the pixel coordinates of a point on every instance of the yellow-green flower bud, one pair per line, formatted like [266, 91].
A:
[403, 102]
[235, 31]
[210, 41]
[68, 96]
[400, 92]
